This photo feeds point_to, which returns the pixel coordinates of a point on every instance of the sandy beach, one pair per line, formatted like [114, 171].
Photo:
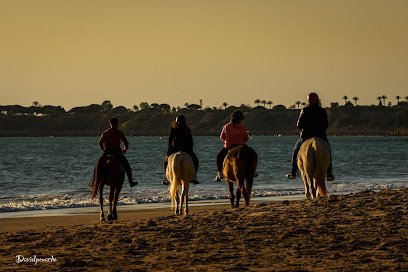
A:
[361, 231]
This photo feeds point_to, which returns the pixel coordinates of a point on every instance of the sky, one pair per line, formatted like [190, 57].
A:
[79, 52]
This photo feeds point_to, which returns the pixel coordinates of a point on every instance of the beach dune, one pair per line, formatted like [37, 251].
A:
[361, 231]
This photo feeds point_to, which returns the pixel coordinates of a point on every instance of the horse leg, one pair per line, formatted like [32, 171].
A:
[312, 184]
[246, 196]
[185, 197]
[102, 216]
[115, 203]
[231, 192]
[111, 196]
[306, 183]
[238, 197]
[244, 193]
[177, 211]
[182, 195]
[248, 186]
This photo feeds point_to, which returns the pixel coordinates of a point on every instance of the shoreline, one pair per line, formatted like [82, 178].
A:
[30, 220]
[71, 211]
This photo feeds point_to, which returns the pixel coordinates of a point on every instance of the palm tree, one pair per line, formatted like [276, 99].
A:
[304, 104]
[36, 103]
[355, 100]
[384, 97]
[263, 102]
[345, 99]
[298, 103]
[398, 99]
[379, 100]
[270, 104]
[186, 104]
[225, 104]
[257, 101]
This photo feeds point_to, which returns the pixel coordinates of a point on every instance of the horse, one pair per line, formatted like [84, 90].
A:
[313, 162]
[108, 171]
[240, 166]
[180, 172]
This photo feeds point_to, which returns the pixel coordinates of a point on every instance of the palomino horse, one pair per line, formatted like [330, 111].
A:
[240, 166]
[180, 172]
[313, 162]
[111, 173]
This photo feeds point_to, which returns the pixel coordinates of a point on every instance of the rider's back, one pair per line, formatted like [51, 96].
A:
[313, 122]
[112, 138]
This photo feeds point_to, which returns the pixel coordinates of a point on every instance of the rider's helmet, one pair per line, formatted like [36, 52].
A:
[313, 98]
[237, 116]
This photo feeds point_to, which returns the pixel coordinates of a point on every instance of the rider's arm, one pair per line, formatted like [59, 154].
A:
[325, 120]
[223, 135]
[125, 141]
[170, 143]
[101, 142]
[301, 121]
[189, 139]
[245, 134]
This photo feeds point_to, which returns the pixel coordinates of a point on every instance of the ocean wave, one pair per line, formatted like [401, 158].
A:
[79, 200]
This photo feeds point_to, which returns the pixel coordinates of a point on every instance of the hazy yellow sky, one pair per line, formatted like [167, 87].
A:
[79, 52]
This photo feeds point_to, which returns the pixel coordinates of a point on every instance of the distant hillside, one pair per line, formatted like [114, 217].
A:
[361, 120]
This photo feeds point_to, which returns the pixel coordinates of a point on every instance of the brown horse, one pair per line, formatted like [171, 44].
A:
[240, 166]
[111, 173]
[313, 162]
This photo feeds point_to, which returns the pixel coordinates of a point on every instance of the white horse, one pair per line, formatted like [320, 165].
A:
[180, 172]
[313, 162]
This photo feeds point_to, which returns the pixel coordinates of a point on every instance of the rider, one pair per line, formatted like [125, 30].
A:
[312, 122]
[180, 139]
[234, 133]
[110, 144]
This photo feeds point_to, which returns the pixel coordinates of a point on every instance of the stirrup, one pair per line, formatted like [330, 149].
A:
[330, 177]
[133, 183]
[195, 181]
[291, 175]
[165, 182]
[218, 178]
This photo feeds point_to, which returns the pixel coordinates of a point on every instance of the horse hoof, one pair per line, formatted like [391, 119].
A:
[114, 217]
[109, 217]
[102, 218]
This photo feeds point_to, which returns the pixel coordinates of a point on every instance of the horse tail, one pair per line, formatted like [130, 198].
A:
[174, 168]
[96, 183]
[248, 154]
[322, 160]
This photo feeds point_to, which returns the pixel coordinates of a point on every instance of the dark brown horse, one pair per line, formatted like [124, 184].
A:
[240, 166]
[111, 173]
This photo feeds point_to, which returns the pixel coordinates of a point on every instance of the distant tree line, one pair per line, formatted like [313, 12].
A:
[106, 107]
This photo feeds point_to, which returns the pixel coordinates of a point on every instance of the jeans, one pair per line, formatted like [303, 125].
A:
[296, 149]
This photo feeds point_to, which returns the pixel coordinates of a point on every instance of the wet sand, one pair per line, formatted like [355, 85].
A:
[362, 231]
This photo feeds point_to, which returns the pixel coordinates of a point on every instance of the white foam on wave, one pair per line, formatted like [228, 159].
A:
[78, 200]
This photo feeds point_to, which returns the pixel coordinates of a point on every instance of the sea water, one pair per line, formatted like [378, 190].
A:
[38, 173]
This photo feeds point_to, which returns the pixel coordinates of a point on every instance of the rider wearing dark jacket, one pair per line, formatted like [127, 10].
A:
[181, 140]
[312, 122]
